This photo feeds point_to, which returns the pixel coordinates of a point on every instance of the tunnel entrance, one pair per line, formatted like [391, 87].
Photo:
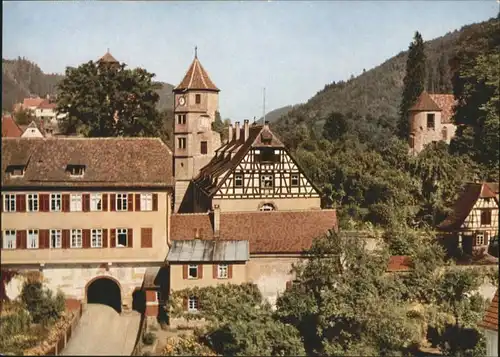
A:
[105, 291]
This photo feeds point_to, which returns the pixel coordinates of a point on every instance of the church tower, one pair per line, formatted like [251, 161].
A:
[196, 99]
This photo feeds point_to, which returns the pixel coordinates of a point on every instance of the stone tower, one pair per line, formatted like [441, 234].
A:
[196, 99]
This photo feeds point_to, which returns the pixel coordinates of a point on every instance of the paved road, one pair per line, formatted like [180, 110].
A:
[102, 331]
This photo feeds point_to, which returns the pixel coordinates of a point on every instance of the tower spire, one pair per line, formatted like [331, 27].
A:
[264, 107]
[195, 51]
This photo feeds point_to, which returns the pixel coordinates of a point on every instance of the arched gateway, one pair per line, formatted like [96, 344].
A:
[104, 290]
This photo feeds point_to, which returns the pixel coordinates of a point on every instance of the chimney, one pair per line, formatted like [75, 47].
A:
[237, 126]
[266, 124]
[230, 132]
[216, 220]
[246, 129]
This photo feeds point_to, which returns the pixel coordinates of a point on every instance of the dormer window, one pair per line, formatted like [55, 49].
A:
[76, 170]
[267, 155]
[16, 170]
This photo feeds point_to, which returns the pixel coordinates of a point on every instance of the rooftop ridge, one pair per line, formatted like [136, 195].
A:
[91, 138]
[287, 211]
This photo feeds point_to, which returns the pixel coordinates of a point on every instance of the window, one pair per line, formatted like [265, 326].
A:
[96, 238]
[33, 238]
[96, 202]
[9, 239]
[198, 98]
[181, 119]
[181, 143]
[430, 121]
[9, 203]
[16, 170]
[444, 134]
[486, 217]
[55, 202]
[76, 202]
[412, 141]
[294, 180]
[32, 202]
[121, 237]
[479, 238]
[76, 238]
[192, 271]
[121, 202]
[55, 238]
[193, 303]
[204, 147]
[266, 181]
[267, 155]
[222, 271]
[238, 180]
[76, 170]
[146, 201]
[267, 207]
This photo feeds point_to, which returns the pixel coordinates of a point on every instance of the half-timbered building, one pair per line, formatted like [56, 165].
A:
[474, 218]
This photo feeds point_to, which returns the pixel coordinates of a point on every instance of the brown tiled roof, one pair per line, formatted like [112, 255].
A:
[10, 127]
[196, 78]
[425, 103]
[108, 58]
[32, 102]
[399, 263]
[446, 102]
[267, 232]
[113, 162]
[47, 105]
[464, 204]
[490, 320]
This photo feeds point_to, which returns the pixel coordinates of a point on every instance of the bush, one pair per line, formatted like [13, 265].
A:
[43, 307]
[148, 338]
[15, 323]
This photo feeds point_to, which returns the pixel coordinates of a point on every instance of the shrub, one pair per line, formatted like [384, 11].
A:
[148, 338]
[15, 323]
[43, 307]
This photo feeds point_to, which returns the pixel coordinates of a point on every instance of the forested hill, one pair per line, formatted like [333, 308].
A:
[377, 92]
[22, 78]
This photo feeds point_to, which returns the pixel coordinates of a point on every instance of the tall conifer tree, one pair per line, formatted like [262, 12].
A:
[414, 82]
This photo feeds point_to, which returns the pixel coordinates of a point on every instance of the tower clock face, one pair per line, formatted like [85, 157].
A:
[182, 101]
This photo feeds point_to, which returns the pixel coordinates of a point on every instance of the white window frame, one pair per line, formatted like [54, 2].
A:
[33, 238]
[54, 198]
[193, 303]
[9, 239]
[75, 202]
[9, 202]
[268, 178]
[238, 177]
[96, 202]
[181, 143]
[32, 202]
[479, 238]
[76, 240]
[146, 201]
[55, 238]
[292, 176]
[120, 231]
[193, 266]
[222, 271]
[96, 238]
[123, 197]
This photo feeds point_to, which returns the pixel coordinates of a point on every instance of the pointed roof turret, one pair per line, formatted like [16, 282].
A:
[107, 58]
[425, 103]
[196, 77]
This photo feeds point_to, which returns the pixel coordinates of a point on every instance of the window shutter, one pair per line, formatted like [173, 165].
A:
[146, 237]
[185, 303]
[105, 202]
[44, 202]
[44, 235]
[1, 203]
[65, 239]
[214, 271]
[20, 203]
[86, 238]
[200, 271]
[130, 202]
[155, 202]
[86, 202]
[21, 239]
[112, 238]
[130, 238]
[1, 240]
[230, 271]
[105, 238]
[65, 202]
[486, 238]
[112, 198]
[184, 271]
[137, 201]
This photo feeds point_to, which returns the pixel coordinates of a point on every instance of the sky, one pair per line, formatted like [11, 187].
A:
[291, 48]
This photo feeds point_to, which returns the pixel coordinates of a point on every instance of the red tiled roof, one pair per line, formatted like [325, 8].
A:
[10, 127]
[32, 102]
[267, 232]
[399, 263]
[425, 103]
[196, 78]
[464, 204]
[490, 320]
[446, 102]
[47, 105]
